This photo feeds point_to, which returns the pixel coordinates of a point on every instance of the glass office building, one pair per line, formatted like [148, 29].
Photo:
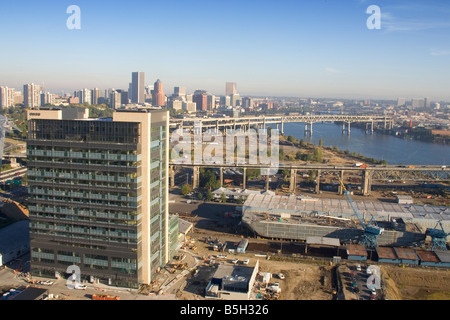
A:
[99, 195]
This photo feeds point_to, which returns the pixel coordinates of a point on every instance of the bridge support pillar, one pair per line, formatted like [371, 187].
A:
[221, 176]
[340, 190]
[366, 182]
[310, 130]
[244, 179]
[282, 127]
[293, 180]
[319, 172]
[195, 177]
[348, 128]
[267, 182]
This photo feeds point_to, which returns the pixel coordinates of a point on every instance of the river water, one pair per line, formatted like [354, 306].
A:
[378, 146]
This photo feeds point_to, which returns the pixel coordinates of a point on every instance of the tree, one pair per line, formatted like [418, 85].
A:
[292, 139]
[209, 195]
[208, 179]
[320, 142]
[286, 174]
[186, 189]
[223, 198]
[318, 156]
[298, 155]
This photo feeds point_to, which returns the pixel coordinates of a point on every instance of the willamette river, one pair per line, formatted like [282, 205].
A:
[378, 146]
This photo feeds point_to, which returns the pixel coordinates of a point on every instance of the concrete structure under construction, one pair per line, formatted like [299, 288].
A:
[297, 217]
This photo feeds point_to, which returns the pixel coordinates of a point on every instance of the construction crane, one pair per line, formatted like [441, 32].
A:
[438, 237]
[371, 230]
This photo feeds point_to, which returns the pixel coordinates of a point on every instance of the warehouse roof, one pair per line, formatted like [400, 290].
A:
[406, 253]
[444, 256]
[427, 256]
[341, 208]
[386, 253]
[356, 250]
[334, 242]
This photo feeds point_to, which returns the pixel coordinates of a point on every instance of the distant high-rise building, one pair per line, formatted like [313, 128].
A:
[31, 95]
[210, 102]
[401, 102]
[235, 100]
[201, 99]
[47, 98]
[418, 103]
[96, 94]
[179, 92]
[138, 87]
[225, 101]
[247, 103]
[189, 106]
[7, 97]
[85, 96]
[427, 102]
[115, 100]
[158, 96]
[99, 197]
[230, 88]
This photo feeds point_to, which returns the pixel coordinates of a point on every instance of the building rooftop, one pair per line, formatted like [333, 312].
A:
[356, 250]
[386, 253]
[444, 256]
[296, 204]
[31, 293]
[406, 253]
[427, 256]
[233, 278]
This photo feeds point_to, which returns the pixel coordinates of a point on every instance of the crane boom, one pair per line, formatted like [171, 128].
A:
[371, 230]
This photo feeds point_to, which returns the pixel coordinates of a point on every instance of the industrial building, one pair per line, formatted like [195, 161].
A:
[231, 282]
[296, 217]
[356, 252]
[99, 194]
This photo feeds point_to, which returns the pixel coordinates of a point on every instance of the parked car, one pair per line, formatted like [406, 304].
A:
[80, 286]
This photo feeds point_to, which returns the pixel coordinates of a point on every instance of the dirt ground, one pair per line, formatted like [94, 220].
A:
[303, 281]
[415, 284]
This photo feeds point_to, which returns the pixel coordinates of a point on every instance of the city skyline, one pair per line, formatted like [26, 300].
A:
[299, 49]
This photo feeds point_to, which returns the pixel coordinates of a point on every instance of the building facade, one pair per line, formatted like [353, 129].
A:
[230, 89]
[7, 97]
[137, 87]
[158, 95]
[32, 95]
[99, 194]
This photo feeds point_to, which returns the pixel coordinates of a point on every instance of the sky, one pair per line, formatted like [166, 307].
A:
[315, 48]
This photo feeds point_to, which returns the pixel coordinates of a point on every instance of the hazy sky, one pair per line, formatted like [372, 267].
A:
[313, 48]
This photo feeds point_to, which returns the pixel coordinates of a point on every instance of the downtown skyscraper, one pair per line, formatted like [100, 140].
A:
[158, 95]
[99, 194]
[137, 93]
